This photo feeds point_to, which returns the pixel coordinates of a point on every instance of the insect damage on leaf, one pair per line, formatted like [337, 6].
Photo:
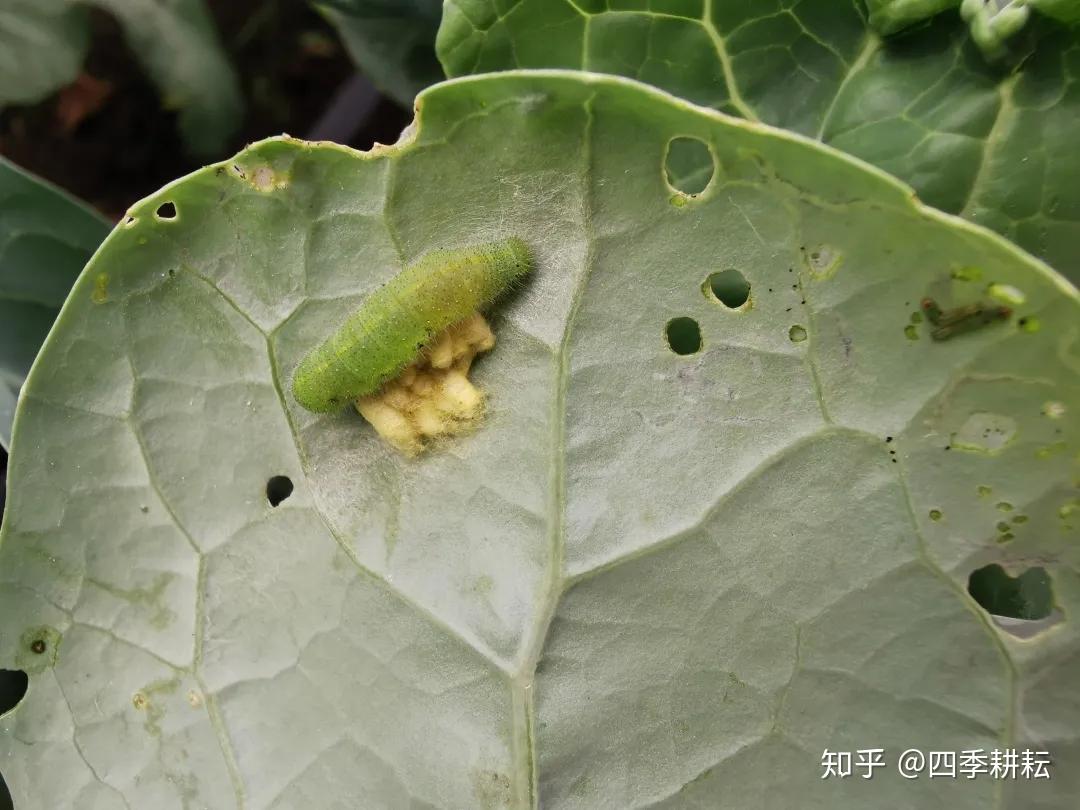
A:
[422, 328]
[948, 323]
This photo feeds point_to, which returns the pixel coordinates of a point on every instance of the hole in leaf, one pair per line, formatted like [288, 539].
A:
[13, 683]
[729, 287]
[689, 165]
[823, 261]
[984, 432]
[129, 222]
[38, 647]
[263, 179]
[1054, 409]
[1028, 596]
[797, 334]
[167, 210]
[278, 488]
[684, 335]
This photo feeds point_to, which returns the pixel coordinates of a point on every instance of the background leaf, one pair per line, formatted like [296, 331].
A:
[648, 579]
[391, 41]
[43, 45]
[974, 138]
[177, 44]
[46, 237]
[890, 16]
[1065, 10]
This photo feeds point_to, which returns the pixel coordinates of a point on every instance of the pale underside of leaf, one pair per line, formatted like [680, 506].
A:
[649, 580]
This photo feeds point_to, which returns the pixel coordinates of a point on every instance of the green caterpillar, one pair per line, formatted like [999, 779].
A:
[400, 318]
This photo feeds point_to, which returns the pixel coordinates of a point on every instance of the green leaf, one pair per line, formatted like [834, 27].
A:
[647, 579]
[391, 41]
[1067, 11]
[42, 47]
[973, 138]
[890, 16]
[45, 239]
[993, 25]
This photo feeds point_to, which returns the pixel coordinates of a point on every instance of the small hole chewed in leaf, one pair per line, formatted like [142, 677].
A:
[822, 261]
[984, 433]
[684, 335]
[265, 179]
[13, 683]
[1054, 409]
[38, 648]
[278, 488]
[729, 287]
[1028, 596]
[689, 165]
[167, 210]
[797, 333]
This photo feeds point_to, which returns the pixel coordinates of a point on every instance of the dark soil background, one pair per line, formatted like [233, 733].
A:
[107, 140]
[290, 62]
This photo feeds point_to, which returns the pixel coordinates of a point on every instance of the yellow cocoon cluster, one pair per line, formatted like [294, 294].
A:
[432, 397]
